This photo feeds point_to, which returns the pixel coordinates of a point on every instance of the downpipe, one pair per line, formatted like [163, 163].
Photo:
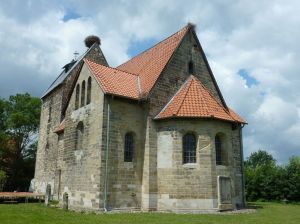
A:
[106, 157]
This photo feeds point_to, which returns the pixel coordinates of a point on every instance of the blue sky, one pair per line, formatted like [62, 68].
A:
[252, 47]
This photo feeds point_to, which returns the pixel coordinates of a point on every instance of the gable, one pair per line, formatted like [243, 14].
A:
[177, 71]
[96, 91]
[94, 53]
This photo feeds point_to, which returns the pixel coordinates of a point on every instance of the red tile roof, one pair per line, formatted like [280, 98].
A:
[61, 127]
[115, 81]
[135, 79]
[195, 101]
[149, 64]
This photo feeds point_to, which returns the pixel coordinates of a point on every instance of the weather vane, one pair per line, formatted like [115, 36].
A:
[76, 55]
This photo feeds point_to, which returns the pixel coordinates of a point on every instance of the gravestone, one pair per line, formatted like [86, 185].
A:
[48, 195]
[65, 201]
[224, 193]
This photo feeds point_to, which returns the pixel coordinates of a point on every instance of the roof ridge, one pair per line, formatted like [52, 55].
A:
[173, 97]
[204, 102]
[110, 67]
[182, 29]
[190, 79]
[222, 106]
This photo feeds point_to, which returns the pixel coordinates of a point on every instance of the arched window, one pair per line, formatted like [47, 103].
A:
[89, 89]
[128, 147]
[77, 97]
[83, 93]
[79, 135]
[218, 146]
[189, 148]
[191, 67]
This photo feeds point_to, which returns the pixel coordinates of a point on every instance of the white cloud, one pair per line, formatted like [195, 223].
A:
[259, 36]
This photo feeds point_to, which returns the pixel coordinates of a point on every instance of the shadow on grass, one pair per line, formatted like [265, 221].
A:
[253, 205]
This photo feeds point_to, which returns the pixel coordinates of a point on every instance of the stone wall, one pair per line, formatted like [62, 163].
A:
[49, 162]
[124, 178]
[194, 186]
[80, 174]
[46, 158]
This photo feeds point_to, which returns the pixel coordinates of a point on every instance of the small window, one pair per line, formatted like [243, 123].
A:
[128, 147]
[89, 89]
[50, 112]
[189, 148]
[83, 93]
[79, 135]
[191, 67]
[218, 146]
[77, 97]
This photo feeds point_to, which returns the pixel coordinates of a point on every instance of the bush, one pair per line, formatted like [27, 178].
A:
[3, 178]
[266, 181]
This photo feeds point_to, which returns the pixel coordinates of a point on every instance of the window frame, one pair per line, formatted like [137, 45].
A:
[82, 98]
[77, 94]
[220, 161]
[189, 148]
[79, 136]
[191, 68]
[129, 147]
[89, 91]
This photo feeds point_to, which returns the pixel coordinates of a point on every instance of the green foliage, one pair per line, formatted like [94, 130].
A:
[260, 158]
[19, 120]
[292, 179]
[3, 178]
[267, 181]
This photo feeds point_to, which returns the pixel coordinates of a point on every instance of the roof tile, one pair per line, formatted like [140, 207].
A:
[149, 64]
[115, 81]
[194, 100]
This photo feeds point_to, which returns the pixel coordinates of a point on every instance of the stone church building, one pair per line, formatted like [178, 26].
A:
[154, 133]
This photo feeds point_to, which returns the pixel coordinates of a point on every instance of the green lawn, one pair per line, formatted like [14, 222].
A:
[36, 213]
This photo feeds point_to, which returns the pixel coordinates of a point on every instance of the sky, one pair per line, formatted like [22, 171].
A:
[252, 47]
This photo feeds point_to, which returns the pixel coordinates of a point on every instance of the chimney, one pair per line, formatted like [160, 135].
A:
[90, 40]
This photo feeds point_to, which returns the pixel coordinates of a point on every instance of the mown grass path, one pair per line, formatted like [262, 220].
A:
[269, 213]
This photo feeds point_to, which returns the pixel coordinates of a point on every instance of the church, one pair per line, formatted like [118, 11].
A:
[152, 134]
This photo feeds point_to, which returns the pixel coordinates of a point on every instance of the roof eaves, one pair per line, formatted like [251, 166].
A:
[195, 117]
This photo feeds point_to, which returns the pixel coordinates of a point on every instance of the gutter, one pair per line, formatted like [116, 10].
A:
[242, 166]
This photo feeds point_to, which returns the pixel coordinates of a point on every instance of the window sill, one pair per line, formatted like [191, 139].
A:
[128, 165]
[222, 166]
[190, 165]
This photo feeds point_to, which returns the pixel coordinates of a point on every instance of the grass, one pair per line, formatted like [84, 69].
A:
[38, 214]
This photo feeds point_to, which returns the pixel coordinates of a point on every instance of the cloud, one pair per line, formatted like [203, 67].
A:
[258, 37]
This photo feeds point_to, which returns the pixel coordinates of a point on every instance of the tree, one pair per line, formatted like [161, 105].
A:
[267, 181]
[260, 158]
[292, 179]
[19, 126]
[260, 172]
